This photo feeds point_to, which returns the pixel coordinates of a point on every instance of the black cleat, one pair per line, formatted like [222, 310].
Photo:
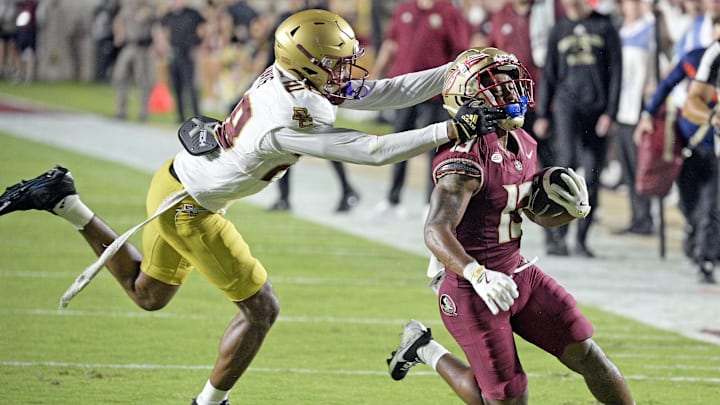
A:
[707, 269]
[556, 248]
[348, 201]
[223, 402]
[280, 205]
[582, 250]
[41, 193]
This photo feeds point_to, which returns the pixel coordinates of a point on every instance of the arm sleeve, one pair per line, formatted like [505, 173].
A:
[665, 87]
[708, 70]
[546, 87]
[350, 146]
[400, 91]
[614, 50]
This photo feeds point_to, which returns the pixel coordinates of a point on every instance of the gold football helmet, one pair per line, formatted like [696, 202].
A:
[494, 76]
[320, 47]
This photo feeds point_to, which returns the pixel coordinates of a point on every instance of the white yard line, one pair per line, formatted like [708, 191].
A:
[285, 371]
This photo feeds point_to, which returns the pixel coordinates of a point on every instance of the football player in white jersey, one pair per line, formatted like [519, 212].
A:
[288, 112]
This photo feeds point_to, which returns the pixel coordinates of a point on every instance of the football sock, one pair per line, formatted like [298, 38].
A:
[431, 353]
[74, 210]
[211, 395]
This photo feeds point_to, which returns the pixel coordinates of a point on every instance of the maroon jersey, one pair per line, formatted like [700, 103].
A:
[426, 37]
[490, 231]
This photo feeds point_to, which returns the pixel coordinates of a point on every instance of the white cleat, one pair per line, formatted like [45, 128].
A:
[414, 336]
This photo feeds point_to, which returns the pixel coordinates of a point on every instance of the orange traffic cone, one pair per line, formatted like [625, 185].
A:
[160, 99]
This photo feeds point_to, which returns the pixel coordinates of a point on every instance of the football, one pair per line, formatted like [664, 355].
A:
[540, 204]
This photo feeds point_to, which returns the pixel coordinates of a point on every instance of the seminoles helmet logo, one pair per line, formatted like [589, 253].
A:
[447, 305]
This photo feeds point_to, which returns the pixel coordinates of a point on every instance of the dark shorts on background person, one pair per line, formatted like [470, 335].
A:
[26, 40]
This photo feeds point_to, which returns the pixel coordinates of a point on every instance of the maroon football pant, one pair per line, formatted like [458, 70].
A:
[544, 314]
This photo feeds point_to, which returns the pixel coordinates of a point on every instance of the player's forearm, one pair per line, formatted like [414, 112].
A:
[397, 147]
[350, 146]
[447, 249]
[401, 91]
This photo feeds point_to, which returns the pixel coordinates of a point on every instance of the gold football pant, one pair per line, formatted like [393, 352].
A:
[188, 236]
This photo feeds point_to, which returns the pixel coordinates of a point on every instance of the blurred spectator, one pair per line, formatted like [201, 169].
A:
[380, 13]
[421, 34]
[182, 30]
[66, 50]
[218, 33]
[8, 34]
[242, 15]
[478, 15]
[699, 35]
[579, 90]
[132, 32]
[698, 179]
[26, 40]
[678, 16]
[102, 34]
[637, 35]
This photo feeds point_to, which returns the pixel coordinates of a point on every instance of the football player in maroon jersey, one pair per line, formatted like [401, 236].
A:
[487, 290]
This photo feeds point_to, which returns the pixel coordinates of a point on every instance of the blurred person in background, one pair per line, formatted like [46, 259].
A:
[26, 39]
[242, 16]
[8, 35]
[179, 33]
[699, 34]
[639, 59]
[578, 95]
[102, 34]
[698, 181]
[421, 34]
[217, 37]
[132, 33]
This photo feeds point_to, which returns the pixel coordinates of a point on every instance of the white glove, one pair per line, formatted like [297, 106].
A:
[497, 289]
[576, 201]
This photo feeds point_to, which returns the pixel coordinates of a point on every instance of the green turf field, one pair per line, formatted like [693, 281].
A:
[343, 302]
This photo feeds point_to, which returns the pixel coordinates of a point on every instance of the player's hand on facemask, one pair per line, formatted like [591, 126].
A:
[497, 289]
[575, 199]
[473, 119]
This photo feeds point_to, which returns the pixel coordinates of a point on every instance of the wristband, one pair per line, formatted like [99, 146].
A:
[472, 271]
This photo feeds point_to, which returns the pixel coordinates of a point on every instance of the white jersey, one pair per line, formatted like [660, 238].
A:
[280, 119]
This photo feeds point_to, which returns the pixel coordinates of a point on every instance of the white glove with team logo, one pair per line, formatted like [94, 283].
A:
[497, 289]
[576, 200]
